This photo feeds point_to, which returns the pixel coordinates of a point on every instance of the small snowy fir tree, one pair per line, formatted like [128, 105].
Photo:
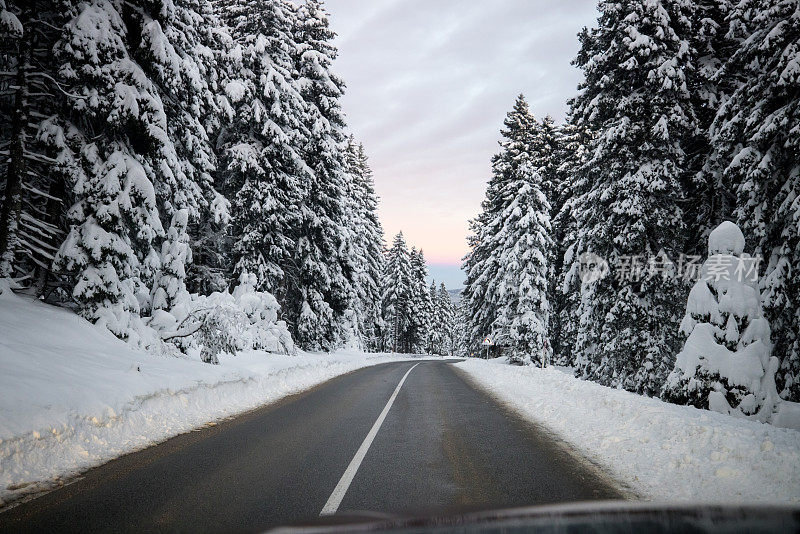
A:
[725, 364]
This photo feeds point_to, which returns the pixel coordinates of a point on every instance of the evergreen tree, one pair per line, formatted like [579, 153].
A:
[725, 364]
[481, 264]
[173, 49]
[184, 46]
[756, 134]
[446, 323]
[109, 253]
[508, 267]
[421, 304]
[545, 163]
[176, 254]
[365, 253]
[324, 292]
[434, 341]
[564, 298]
[371, 242]
[442, 322]
[396, 295]
[635, 98]
[522, 249]
[710, 196]
[262, 171]
[544, 151]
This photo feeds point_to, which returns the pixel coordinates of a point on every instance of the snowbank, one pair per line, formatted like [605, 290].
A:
[662, 451]
[73, 396]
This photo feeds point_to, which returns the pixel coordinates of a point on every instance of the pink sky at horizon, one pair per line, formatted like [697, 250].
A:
[428, 86]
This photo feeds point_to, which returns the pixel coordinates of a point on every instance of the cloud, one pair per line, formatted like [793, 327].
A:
[429, 83]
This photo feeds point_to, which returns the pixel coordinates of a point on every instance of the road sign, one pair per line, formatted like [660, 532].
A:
[487, 341]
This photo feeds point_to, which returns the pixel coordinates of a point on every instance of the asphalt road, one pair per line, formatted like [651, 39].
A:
[443, 446]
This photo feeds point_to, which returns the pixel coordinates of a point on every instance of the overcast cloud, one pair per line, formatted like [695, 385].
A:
[429, 82]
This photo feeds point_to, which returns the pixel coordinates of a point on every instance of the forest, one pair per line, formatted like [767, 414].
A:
[181, 172]
[615, 242]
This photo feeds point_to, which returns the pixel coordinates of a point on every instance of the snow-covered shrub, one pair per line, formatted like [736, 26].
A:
[725, 365]
[225, 322]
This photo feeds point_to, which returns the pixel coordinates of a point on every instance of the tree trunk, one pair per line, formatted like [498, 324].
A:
[52, 209]
[12, 204]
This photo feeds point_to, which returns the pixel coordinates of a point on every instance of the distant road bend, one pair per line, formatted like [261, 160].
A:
[399, 438]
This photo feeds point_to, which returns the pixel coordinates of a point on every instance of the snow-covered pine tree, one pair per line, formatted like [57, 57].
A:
[441, 325]
[176, 255]
[481, 264]
[725, 364]
[757, 132]
[109, 253]
[367, 244]
[434, 341]
[545, 161]
[522, 250]
[446, 322]
[565, 296]
[325, 293]
[172, 46]
[421, 313]
[461, 341]
[396, 296]
[261, 171]
[636, 99]
[182, 43]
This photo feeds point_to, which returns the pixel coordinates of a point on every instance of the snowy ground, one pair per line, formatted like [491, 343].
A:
[72, 396]
[662, 451]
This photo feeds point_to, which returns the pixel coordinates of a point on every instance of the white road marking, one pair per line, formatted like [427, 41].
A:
[344, 483]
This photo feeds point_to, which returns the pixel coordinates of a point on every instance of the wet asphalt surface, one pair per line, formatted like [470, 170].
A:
[444, 447]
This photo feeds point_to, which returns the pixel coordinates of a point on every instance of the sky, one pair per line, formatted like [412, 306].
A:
[428, 85]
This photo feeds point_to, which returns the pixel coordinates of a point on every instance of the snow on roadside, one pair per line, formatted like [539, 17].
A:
[663, 451]
[73, 396]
